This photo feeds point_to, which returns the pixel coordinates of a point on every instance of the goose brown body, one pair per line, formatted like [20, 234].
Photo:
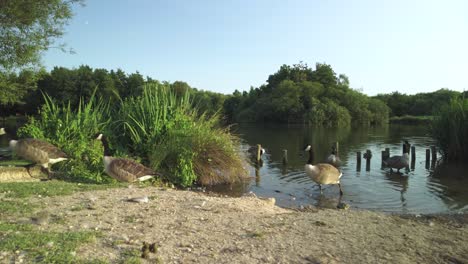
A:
[37, 151]
[399, 162]
[322, 173]
[124, 169]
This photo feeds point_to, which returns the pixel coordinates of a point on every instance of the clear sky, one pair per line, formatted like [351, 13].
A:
[383, 46]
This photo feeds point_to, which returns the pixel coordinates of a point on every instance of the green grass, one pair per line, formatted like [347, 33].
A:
[40, 246]
[169, 134]
[411, 120]
[49, 188]
[15, 162]
[73, 130]
[15, 207]
[160, 129]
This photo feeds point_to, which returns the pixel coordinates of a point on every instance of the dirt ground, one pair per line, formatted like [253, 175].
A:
[194, 227]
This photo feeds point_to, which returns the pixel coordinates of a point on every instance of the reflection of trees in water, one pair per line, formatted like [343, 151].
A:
[449, 181]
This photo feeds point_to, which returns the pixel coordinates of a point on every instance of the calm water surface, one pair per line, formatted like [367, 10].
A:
[426, 188]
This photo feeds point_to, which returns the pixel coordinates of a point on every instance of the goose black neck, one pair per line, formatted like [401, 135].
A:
[105, 144]
[405, 148]
[311, 156]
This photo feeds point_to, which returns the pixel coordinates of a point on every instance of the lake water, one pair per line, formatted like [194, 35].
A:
[426, 188]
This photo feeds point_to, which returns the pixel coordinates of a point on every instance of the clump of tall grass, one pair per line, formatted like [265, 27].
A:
[450, 129]
[168, 133]
[72, 130]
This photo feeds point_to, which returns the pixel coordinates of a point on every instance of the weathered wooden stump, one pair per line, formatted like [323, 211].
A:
[18, 174]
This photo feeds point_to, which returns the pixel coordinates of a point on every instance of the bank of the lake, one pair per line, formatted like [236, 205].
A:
[191, 226]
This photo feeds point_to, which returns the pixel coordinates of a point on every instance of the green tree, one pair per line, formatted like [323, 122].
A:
[29, 27]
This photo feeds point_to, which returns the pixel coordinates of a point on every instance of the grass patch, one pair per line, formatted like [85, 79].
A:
[411, 120]
[42, 247]
[15, 163]
[15, 207]
[49, 188]
[131, 256]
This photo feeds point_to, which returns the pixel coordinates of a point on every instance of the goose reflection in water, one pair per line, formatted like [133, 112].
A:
[400, 182]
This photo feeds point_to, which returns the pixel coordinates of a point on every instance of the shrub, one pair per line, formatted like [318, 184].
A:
[72, 131]
[450, 129]
[168, 133]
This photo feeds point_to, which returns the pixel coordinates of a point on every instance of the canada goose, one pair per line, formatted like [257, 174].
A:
[322, 173]
[123, 169]
[253, 151]
[333, 159]
[399, 162]
[38, 151]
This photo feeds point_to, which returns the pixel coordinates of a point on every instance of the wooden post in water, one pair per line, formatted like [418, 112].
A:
[285, 156]
[385, 156]
[259, 153]
[336, 145]
[413, 157]
[368, 157]
[257, 175]
[358, 161]
[428, 158]
[434, 154]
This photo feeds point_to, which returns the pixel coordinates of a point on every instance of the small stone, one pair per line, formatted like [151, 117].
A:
[143, 199]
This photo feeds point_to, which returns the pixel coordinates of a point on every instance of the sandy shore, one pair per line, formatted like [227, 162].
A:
[194, 227]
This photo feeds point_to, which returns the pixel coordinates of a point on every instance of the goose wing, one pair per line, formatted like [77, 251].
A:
[396, 162]
[52, 151]
[128, 170]
[328, 174]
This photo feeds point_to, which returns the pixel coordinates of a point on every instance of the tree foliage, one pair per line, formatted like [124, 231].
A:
[299, 94]
[30, 27]
[420, 104]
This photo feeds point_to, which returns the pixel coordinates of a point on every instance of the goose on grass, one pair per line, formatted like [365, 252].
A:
[322, 173]
[124, 169]
[38, 151]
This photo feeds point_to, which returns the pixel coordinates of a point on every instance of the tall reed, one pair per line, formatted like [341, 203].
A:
[170, 135]
[450, 129]
[72, 130]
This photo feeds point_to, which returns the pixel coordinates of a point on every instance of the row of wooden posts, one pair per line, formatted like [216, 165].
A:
[368, 156]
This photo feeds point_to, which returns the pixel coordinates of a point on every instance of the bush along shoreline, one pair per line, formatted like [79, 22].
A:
[450, 129]
[161, 129]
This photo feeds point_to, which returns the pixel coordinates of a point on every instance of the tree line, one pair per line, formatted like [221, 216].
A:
[420, 104]
[22, 93]
[300, 94]
[293, 94]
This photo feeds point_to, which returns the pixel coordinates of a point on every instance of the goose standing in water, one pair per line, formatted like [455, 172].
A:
[40, 152]
[334, 159]
[322, 173]
[253, 151]
[399, 162]
[123, 169]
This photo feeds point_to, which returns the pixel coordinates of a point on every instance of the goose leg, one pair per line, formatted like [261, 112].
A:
[320, 188]
[46, 171]
[28, 167]
[341, 191]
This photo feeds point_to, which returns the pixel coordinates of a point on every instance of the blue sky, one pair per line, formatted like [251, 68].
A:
[220, 45]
